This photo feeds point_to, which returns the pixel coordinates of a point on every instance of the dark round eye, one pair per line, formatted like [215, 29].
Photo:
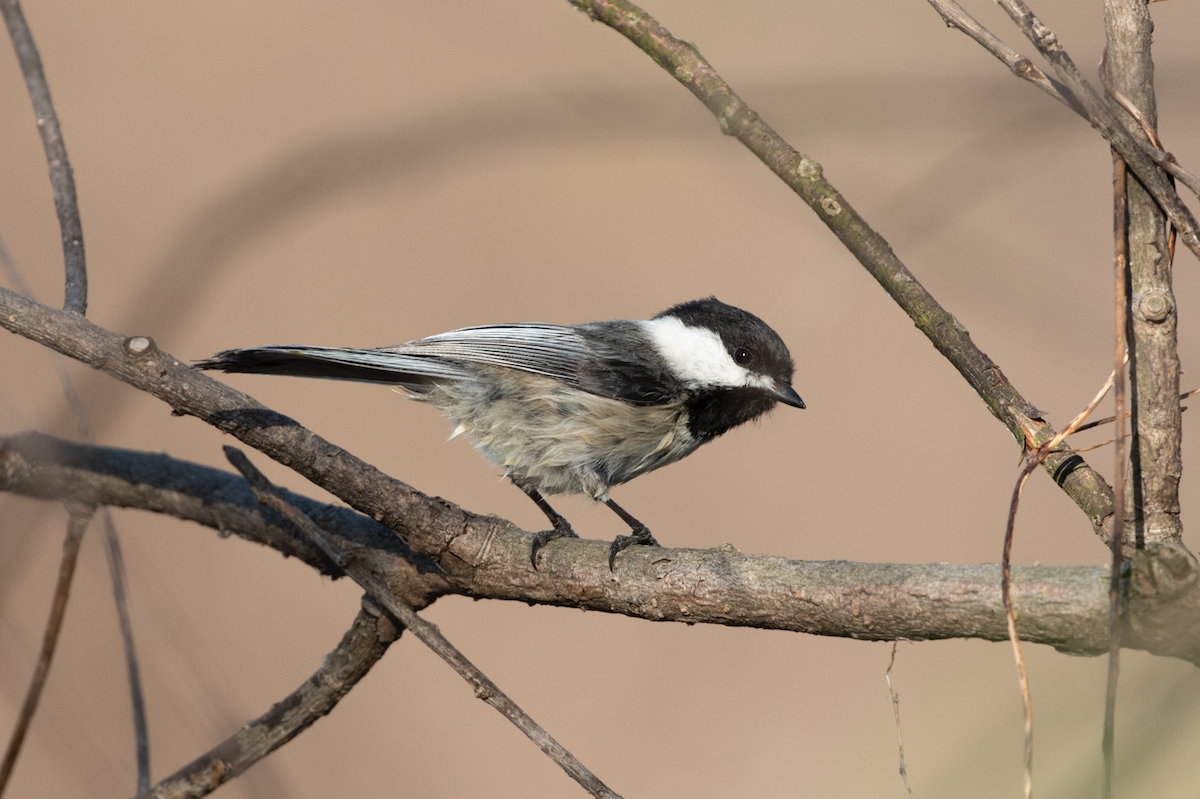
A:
[742, 356]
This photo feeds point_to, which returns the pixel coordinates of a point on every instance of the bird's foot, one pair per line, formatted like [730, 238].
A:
[561, 529]
[639, 536]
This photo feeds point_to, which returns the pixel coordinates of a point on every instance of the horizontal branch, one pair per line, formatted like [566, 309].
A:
[44, 467]
[1065, 607]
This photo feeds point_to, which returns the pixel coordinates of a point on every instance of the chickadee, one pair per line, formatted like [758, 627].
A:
[578, 409]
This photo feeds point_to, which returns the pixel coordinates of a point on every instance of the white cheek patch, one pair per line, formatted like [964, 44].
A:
[698, 356]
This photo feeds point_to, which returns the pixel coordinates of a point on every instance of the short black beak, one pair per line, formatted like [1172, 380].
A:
[788, 396]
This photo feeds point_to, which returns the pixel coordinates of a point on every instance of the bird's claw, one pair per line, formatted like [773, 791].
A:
[639, 536]
[540, 540]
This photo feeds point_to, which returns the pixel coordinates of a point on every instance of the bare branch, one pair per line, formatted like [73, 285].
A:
[79, 517]
[805, 177]
[956, 16]
[360, 648]
[428, 633]
[1102, 117]
[1064, 607]
[137, 697]
[112, 549]
[62, 178]
[1155, 456]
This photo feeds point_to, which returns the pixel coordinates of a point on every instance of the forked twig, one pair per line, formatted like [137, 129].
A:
[428, 633]
[1101, 115]
[1075, 93]
[76, 524]
[956, 16]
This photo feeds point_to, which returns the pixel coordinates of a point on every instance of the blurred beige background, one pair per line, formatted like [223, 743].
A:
[367, 173]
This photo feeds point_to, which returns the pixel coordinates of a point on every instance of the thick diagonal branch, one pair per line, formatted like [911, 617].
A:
[805, 177]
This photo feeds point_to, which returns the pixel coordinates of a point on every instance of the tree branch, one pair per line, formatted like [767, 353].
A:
[1105, 120]
[1065, 607]
[80, 516]
[360, 648]
[428, 633]
[62, 178]
[805, 177]
[955, 16]
[1156, 459]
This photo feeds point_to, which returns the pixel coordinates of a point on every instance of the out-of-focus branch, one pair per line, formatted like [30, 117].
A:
[957, 17]
[80, 515]
[1104, 119]
[428, 633]
[44, 467]
[112, 549]
[360, 648]
[805, 177]
[1065, 607]
[62, 178]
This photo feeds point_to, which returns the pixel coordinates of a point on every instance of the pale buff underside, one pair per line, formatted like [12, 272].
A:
[534, 428]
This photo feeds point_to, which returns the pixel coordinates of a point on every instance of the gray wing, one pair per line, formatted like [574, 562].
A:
[550, 350]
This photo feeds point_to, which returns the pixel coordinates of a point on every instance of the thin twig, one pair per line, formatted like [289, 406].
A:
[1111, 419]
[1010, 615]
[1033, 457]
[112, 546]
[76, 524]
[1156, 149]
[137, 697]
[887, 675]
[1120, 302]
[62, 178]
[428, 633]
[957, 17]
[360, 648]
[1102, 117]
[1091, 447]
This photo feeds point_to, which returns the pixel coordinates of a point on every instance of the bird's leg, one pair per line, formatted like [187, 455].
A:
[561, 528]
[639, 534]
